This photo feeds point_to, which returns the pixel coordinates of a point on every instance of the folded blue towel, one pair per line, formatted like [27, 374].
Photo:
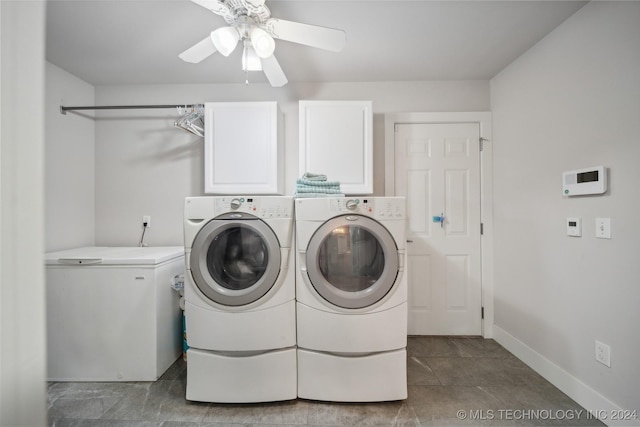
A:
[302, 181]
[314, 176]
[311, 189]
[316, 185]
[315, 195]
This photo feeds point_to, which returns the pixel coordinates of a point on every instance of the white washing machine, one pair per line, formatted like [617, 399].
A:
[240, 299]
[351, 291]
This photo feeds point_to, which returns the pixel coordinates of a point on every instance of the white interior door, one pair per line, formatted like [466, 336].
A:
[437, 168]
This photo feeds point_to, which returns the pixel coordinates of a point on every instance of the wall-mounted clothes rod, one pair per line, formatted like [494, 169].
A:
[63, 109]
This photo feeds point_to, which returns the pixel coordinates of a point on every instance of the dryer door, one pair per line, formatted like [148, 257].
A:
[235, 259]
[352, 261]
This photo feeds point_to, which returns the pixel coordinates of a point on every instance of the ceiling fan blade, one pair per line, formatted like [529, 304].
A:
[310, 35]
[274, 72]
[215, 6]
[198, 51]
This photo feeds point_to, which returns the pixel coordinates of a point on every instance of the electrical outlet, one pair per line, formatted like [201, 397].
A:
[146, 219]
[603, 353]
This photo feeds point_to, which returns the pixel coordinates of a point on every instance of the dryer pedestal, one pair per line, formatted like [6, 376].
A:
[368, 378]
[250, 378]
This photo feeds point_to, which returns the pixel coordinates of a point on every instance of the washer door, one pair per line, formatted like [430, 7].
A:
[352, 261]
[235, 259]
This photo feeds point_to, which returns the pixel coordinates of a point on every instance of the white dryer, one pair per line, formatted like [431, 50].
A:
[240, 299]
[351, 292]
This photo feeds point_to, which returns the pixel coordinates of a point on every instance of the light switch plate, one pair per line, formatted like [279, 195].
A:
[603, 228]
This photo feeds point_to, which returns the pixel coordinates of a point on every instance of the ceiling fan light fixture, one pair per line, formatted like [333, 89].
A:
[225, 39]
[250, 59]
[262, 42]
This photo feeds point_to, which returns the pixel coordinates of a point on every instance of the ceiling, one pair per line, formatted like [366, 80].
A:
[119, 42]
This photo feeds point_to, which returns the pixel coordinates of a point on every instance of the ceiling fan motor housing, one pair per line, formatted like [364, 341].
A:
[233, 10]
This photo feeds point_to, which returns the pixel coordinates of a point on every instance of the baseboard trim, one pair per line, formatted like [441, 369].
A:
[584, 395]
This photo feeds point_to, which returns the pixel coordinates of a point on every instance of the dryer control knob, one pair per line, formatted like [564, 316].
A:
[235, 203]
[352, 205]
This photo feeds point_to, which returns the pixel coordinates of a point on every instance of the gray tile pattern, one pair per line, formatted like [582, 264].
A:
[453, 381]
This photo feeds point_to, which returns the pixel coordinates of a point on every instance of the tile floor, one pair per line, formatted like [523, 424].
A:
[452, 381]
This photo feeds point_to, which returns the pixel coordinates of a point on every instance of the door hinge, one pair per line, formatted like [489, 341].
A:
[482, 312]
[482, 140]
[481, 228]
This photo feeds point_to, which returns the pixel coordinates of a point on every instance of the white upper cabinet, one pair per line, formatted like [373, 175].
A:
[336, 139]
[243, 149]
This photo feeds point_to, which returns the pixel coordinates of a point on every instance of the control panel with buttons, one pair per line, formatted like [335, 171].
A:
[383, 208]
[262, 207]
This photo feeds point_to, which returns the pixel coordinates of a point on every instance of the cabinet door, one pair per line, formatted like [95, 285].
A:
[243, 148]
[336, 139]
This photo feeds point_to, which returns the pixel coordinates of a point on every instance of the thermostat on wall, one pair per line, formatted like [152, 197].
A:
[584, 181]
[574, 227]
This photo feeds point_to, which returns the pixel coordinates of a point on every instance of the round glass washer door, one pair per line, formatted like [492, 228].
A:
[352, 261]
[235, 259]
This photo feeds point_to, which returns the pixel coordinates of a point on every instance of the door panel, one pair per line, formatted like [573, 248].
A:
[421, 297]
[438, 170]
[457, 272]
[456, 203]
[419, 182]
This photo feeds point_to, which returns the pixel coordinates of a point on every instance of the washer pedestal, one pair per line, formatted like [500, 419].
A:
[250, 378]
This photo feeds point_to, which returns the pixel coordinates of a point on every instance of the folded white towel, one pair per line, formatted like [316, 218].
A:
[302, 181]
[313, 189]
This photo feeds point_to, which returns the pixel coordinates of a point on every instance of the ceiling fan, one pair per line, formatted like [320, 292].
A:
[251, 24]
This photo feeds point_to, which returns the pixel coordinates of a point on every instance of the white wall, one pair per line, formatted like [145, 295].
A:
[144, 166]
[22, 303]
[69, 163]
[571, 101]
